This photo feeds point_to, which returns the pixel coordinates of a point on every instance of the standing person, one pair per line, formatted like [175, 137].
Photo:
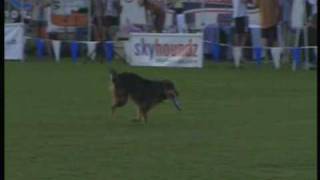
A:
[177, 5]
[312, 16]
[312, 28]
[285, 8]
[270, 17]
[286, 33]
[111, 15]
[240, 17]
[38, 20]
[98, 20]
[157, 11]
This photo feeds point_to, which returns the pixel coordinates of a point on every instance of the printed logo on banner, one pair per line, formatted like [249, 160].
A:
[165, 50]
[158, 49]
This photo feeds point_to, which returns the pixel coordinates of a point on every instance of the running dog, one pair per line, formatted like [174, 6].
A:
[143, 92]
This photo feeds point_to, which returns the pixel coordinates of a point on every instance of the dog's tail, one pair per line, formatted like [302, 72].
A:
[113, 74]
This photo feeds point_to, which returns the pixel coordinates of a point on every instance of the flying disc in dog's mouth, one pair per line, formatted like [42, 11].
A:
[176, 103]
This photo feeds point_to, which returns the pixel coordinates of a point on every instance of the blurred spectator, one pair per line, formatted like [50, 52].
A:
[38, 18]
[157, 11]
[298, 14]
[98, 20]
[270, 16]
[298, 20]
[176, 5]
[240, 17]
[111, 15]
[312, 17]
[39, 22]
[312, 25]
[18, 18]
[106, 13]
[285, 9]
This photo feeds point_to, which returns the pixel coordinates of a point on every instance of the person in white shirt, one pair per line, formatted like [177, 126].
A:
[240, 17]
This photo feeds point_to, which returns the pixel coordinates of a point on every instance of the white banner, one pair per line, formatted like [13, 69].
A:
[14, 41]
[165, 50]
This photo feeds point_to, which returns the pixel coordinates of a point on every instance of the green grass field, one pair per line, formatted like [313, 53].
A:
[236, 124]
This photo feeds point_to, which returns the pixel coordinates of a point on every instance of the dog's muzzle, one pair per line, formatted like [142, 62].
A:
[175, 101]
[172, 95]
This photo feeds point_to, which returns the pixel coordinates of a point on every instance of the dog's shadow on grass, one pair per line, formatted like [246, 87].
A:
[136, 123]
[128, 123]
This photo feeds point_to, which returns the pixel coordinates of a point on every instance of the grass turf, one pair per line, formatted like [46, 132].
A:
[236, 124]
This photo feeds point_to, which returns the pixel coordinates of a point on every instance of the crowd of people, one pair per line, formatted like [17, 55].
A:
[288, 15]
[105, 18]
[106, 13]
[273, 13]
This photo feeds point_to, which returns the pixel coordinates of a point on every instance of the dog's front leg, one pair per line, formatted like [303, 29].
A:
[144, 115]
[140, 115]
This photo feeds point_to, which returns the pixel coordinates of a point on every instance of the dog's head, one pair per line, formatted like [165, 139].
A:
[171, 93]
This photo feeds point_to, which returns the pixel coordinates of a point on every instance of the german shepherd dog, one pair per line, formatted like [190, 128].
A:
[143, 92]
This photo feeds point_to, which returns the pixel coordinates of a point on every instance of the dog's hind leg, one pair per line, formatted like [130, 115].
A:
[139, 116]
[143, 113]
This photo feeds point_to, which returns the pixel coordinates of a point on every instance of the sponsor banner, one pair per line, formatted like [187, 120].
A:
[165, 50]
[14, 41]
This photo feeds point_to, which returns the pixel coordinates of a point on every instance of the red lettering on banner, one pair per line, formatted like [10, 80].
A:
[184, 50]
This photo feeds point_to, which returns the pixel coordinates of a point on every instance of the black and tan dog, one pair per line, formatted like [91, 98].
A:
[144, 93]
